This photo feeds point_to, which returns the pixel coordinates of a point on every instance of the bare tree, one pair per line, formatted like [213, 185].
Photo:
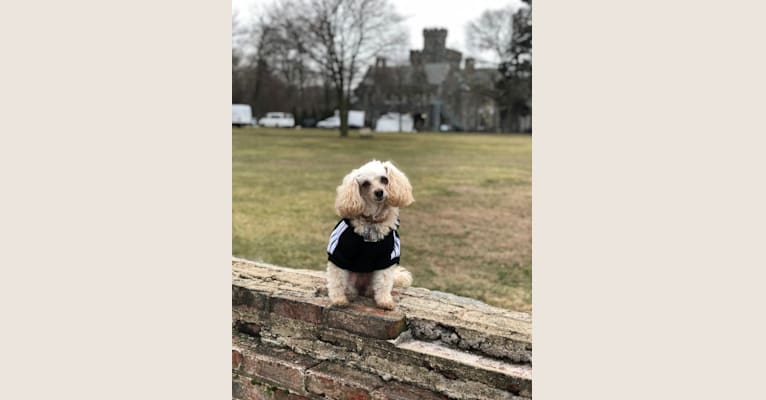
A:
[492, 31]
[342, 37]
[287, 55]
[262, 40]
[240, 69]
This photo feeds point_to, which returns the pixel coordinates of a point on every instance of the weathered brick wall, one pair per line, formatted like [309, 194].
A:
[288, 343]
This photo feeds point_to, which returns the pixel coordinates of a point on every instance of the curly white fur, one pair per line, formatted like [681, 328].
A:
[370, 197]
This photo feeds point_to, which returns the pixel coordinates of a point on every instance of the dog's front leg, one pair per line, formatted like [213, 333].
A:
[382, 283]
[337, 283]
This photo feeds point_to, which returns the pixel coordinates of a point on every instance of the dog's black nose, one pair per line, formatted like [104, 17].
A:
[378, 193]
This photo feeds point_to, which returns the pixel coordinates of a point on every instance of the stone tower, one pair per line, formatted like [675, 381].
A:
[434, 49]
[434, 41]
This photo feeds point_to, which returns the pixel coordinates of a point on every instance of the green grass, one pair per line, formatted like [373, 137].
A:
[468, 232]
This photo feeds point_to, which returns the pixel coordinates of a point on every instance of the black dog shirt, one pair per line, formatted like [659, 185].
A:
[350, 251]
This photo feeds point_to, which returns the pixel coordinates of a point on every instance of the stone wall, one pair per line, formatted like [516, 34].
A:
[288, 343]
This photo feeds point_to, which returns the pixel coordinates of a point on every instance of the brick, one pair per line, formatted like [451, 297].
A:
[248, 314]
[243, 388]
[313, 340]
[279, 367]
[241, 296]
[236, 359]
[286, 332]
[303, 309]
[341, 383]
[343, 339]
[367, 321]
[249, 310]
[400, 391]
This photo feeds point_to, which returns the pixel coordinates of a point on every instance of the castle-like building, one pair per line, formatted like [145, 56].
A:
[433, 88]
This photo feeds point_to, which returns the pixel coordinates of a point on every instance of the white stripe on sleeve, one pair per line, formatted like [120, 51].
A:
[335, 236]
[397, 244]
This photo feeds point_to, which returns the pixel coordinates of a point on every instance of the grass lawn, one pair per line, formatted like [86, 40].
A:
[469, 231]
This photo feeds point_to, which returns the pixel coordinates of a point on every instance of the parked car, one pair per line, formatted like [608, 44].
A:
[329, 123]
[355, 120]
[241, 115]
[277, 120]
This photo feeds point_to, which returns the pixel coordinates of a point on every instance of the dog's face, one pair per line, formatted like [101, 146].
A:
[373, 184]
[372, 179]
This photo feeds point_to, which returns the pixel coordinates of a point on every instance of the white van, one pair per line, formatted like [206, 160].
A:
[395, 122]
[241, 115]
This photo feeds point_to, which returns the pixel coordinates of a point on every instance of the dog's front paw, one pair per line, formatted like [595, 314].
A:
[385, 302]
[339, 301]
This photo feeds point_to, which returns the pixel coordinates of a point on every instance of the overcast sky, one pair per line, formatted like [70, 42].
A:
[419, 14]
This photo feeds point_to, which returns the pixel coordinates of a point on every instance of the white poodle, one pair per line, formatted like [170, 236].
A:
[365, 258]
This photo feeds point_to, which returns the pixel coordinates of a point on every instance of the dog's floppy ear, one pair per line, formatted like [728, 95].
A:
[399, 188]
[349, 202]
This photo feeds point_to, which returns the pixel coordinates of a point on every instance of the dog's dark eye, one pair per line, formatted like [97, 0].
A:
[366, 184]
[383, 180]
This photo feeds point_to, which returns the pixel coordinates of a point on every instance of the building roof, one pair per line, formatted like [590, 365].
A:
[435, 74]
